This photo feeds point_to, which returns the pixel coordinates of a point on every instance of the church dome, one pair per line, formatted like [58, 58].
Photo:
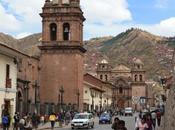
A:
[137, 61]
[104, 61]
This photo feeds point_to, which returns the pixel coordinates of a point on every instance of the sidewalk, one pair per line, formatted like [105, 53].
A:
[48, 126]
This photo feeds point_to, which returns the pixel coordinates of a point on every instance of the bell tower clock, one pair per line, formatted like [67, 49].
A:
[62, 54]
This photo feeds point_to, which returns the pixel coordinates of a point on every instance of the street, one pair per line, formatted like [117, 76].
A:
[129, 121]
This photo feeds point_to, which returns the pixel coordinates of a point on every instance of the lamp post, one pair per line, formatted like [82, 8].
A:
[36, 91]
[61, 90]
[78, 98]
[92, 95]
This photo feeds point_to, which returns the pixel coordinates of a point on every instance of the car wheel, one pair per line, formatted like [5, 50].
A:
[72, 128]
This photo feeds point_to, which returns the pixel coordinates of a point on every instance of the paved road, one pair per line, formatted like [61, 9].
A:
[130, 121]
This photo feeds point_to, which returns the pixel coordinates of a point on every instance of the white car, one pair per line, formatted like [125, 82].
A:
[83, 120]
[128, 111]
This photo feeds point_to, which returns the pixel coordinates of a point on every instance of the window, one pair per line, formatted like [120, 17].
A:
[85, 91]
[135, 77]
[53, 32]
[66, 31]
[141, 78]
[106, 77]
[120, 90]
[8, 80]
[7, 71]
[101, 77]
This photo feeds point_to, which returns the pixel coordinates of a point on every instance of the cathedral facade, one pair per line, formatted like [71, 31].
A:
[129, 83]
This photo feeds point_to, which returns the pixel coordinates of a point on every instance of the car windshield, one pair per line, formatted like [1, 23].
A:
[81, 116]
[128, 109]
[105, 115]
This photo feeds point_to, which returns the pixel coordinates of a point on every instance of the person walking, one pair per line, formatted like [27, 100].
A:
[153, 116]
[115, 125]
[16, 121]
[5, 122]
[142, 125]
[52, 119]
[35, 120]
[149, 122]
[121, 125]
[158, 118]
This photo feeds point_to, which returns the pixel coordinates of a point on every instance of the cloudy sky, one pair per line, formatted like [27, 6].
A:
[103, 17]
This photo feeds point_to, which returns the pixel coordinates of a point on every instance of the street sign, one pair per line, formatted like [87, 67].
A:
[135, 99]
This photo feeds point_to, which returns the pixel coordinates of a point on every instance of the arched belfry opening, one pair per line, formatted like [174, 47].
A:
[66, 31]
[53, 32]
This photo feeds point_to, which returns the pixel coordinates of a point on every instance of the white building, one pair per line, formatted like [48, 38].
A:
[8, 76]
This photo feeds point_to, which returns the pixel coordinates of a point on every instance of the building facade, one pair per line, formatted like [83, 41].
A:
[62, 55]
[129, 83]
[8, 82]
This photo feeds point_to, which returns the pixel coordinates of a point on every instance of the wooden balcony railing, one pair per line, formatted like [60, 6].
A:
[8, 83]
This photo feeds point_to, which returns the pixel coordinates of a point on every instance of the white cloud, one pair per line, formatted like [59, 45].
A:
[106, 11]
[164, 28]
[161, 3]
[8, 22]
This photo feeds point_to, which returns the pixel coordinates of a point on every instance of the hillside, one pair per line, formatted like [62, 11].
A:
[156, 52]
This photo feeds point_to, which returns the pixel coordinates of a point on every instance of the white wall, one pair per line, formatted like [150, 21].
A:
[10, 93]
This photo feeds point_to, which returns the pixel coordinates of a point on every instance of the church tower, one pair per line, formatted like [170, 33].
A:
[103, 71]
[62, 53]
[138, 84]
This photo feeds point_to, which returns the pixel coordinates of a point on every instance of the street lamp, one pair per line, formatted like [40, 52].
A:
[92, 95]
[61, 90]
[78, 98]
[36, 95]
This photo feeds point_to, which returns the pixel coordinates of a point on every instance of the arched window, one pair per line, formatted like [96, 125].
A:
[140, 77]
[53, 32]
[120, 90]
[135, 77]
[101, 77]
[106, 77]
[66, 31]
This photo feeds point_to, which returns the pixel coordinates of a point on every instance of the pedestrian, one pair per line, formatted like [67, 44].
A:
[138, 120]
[115, 123]
[16, 121]
[158, 114]
[153, 116]
[121, 125]
[5, 121]
[35, 120]
[149, 122]
[28, 124]
[42, 120]
[143, 125]
[22, 122]
[67, 118]
[52, 119]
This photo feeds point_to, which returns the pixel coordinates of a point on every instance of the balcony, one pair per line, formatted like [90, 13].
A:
[8, 83]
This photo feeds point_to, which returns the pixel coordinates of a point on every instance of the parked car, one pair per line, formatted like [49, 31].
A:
[105, 118]
[83, 120]
[128, 111]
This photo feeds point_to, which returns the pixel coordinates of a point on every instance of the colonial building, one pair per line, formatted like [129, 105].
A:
[62, 53]
[97, 94]
[129, 83]
[8, 76]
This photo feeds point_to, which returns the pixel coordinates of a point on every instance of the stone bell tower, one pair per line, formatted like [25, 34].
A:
[62, 55]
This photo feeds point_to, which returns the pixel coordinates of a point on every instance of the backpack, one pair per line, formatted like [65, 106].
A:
[5, 120]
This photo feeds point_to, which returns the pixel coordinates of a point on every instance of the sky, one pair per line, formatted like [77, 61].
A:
[20, 18]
